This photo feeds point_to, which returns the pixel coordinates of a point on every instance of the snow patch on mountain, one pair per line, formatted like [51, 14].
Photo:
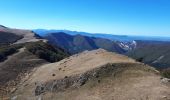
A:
[128, 45]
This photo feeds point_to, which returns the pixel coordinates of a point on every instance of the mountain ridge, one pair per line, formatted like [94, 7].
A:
[33, 68]
[79, 43]
[121, 38]
[27, 35]
[99, 71]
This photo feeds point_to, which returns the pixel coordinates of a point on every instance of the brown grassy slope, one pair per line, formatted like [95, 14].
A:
[15, 68]
[94, 75]
[6, 37]
[20, 63]
[27, 35]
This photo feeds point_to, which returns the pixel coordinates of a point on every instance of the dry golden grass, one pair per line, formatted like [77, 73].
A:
[28, 35]
[129, 80]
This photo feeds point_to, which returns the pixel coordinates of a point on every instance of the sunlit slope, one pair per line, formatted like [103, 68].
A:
[94, 75]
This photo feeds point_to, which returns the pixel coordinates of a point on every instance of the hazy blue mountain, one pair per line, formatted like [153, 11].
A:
[123, 38]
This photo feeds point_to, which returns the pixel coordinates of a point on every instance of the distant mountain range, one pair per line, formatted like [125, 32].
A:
[122, 38]
[151, 50]
[78, 43]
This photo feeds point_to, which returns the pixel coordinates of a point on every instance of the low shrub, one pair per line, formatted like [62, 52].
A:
[6, 50]
[46, 51]
[166, 73]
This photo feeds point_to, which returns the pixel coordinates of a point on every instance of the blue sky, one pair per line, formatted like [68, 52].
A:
[132, 17]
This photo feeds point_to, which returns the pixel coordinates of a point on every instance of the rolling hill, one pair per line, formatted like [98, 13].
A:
[94, 75]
